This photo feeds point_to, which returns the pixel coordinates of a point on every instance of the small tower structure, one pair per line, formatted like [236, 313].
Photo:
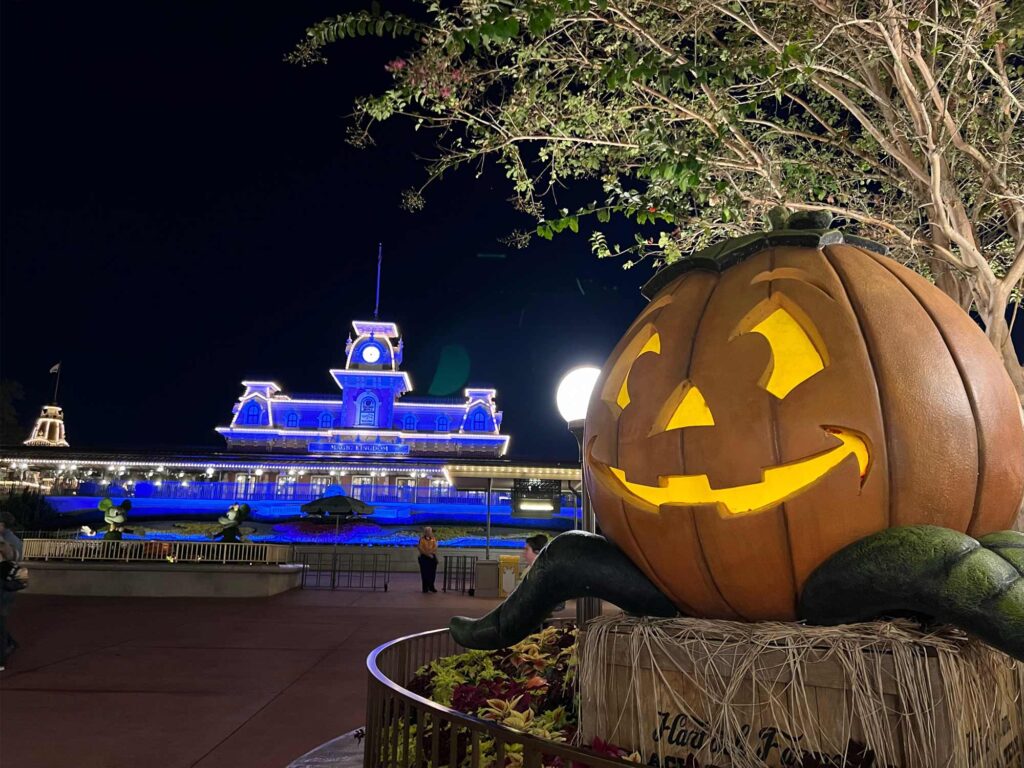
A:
[48, 431]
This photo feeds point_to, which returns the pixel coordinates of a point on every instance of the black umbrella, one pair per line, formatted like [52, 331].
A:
[340, 508]
[337, 506]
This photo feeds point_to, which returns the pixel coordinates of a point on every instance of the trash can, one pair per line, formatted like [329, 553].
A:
[508, 574]
[486, 578]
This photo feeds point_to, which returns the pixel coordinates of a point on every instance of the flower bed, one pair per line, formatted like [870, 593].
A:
[531, 687]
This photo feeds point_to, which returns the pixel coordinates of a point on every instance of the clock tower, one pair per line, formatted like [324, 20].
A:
[375, 413]
[376, 347]
[372, 380]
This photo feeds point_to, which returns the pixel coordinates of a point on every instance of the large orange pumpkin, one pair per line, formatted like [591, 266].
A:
[783, 397]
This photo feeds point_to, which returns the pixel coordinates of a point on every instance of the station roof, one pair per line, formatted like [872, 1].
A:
[467, 476]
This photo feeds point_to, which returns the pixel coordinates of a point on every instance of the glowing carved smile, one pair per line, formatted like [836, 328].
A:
[779, 484]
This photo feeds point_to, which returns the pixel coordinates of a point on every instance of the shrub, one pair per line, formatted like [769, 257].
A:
[27, 510]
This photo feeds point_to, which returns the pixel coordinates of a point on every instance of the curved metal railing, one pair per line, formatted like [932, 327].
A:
[405, 730]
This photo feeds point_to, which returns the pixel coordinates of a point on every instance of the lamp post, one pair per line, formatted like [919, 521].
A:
[572, 398]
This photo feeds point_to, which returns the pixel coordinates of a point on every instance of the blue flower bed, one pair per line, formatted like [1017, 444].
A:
[305, 532]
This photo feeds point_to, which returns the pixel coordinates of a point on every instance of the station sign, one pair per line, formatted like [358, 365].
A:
[360, 448]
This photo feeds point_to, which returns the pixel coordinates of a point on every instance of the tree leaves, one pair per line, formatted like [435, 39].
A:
[695, 118]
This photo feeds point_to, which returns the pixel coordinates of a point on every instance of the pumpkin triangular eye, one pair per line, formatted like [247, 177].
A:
[685, 408]
[653, 345]
[796, 351]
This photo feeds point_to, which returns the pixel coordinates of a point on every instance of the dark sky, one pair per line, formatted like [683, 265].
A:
[180, 211]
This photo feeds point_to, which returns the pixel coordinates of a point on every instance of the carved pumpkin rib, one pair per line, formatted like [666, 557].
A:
[830, 517]
[991, 395]
[692, 585]
[614, 517]
[773, 406]
[964, 381]
[748, 555]
[890, 470]
[925, 420]
[703, 563]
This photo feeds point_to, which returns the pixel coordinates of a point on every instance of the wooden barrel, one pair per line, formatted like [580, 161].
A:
[691, 693]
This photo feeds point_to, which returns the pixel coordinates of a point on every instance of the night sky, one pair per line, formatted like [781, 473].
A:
[181, 212]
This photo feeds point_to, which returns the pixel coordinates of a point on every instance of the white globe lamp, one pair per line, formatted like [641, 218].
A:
[574, 390]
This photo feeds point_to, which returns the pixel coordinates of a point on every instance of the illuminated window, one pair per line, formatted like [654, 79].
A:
[362, 487]
[252, 413]
[442, 423]
[479, 422]
[326, 422]
[368, 411]
[292, 420]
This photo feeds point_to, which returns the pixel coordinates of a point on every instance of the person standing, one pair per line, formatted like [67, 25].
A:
[532, 548]
[7, 566]
[8, 535]
[428, 559]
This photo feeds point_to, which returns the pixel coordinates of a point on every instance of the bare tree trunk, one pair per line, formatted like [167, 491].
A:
[990, 296]
[951, 282]
[947, 279]
[998, 332]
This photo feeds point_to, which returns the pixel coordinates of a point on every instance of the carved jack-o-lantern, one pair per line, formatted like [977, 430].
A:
[786, 395]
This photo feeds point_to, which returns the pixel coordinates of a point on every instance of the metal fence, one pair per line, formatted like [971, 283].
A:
[459, 574]
[404, 730]
[65, 533]
[345, 570]
[152, 551]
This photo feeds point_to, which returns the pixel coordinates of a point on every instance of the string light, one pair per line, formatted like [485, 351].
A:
[303, 409]
[417, 436]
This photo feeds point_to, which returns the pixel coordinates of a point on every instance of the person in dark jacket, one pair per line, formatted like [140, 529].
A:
[428, 559]
[8, 535]
[8, 564]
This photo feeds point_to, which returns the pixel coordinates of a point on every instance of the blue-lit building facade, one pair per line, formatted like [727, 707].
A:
[374, 412]
[415, 459]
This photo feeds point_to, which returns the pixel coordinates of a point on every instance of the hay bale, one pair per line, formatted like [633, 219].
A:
[694, 693]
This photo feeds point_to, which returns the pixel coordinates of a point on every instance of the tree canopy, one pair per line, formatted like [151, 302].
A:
[693, 118]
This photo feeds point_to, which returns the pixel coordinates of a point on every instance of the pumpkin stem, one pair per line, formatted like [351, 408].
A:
[777, 217]
[977, 585]
[573, 564]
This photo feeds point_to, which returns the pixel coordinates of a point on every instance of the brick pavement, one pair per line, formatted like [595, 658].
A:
[209, 683]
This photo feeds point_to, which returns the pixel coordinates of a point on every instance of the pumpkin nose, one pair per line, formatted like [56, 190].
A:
[686, 407]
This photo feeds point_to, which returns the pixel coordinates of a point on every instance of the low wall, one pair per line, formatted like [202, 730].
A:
[109, 579]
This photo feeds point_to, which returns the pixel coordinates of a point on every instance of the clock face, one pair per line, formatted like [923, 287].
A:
[371, 353]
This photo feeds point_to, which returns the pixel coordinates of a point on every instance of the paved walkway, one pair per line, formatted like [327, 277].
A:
[211, 683]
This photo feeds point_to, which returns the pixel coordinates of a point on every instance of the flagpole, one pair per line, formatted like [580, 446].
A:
[380, 257]
[57, 385]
